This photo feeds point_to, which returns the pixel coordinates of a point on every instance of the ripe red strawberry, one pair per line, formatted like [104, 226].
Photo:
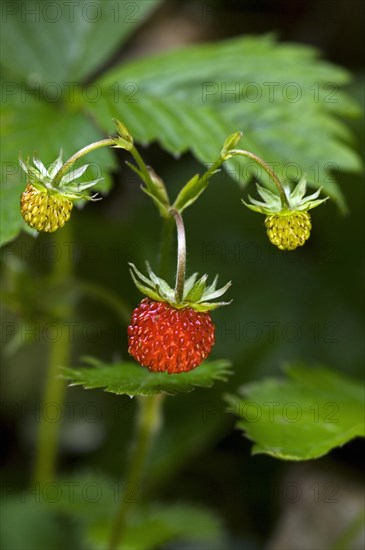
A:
[163, 338]
[167, 335]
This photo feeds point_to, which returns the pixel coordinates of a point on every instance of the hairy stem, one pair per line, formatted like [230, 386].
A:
[268, 170]
[55, 388]
[149, 414]
[76, 156]
[149, 420]
[181, 256]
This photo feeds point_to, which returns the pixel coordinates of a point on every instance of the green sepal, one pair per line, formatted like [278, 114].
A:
[158, 188]
[160, 284]
[56, 165]
[300, 189]
[189, 283]
[135, 169]
[209, 306]
[196, 293]
[189, 193]
[298, 202]
[269, 197]
[124, 140]
[74, 174]
[229, 144]
[198, 289]
[213, 294]
[213, 286]
[145, 290]
[42, 179]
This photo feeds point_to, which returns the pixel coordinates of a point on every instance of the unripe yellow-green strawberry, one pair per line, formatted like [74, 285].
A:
[288, 231]
[44, 211]
[46, 202]
[288, 225]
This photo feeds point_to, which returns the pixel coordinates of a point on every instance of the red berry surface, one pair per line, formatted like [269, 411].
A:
[165, 339]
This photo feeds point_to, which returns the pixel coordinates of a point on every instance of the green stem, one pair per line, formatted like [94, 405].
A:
[76, 156]
[150, 410]
[54, 394]
[149, 420]
[142, 166]
[181, 256]
[209, 173]
[154, 185]
[268, 170]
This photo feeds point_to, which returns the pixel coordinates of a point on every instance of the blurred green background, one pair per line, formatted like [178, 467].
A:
[305, 305]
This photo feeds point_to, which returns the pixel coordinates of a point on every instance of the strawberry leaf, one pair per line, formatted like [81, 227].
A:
[188, 109]
[85, 34]
[303, 416]
[127, 378]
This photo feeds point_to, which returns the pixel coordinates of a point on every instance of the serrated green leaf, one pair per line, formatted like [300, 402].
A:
[127, 378]
[303, 416]
[86, 34]
[290, 135]
[174, 107]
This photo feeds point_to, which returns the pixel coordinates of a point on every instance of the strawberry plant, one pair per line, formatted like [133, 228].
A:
[165, 353]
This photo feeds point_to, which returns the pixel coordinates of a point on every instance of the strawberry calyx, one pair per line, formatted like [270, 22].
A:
[43, 179]
[197, 293]
[288, 225]
[296, 200]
